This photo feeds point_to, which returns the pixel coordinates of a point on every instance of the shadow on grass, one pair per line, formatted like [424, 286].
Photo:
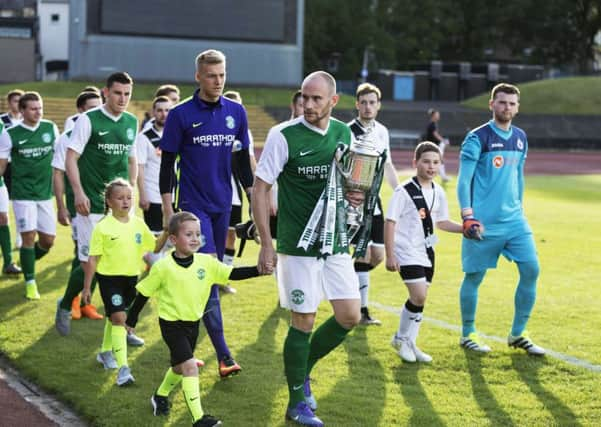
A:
[422, 411]
[482, 393]
[67, 368]
[363, 390]
[13, 295]
[528, 370]
[254, 389]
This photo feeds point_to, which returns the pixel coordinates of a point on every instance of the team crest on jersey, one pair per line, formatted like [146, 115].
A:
[138, 238]
[46, 137]
[230, 122]
[498, 161]
[297, 296]
[520, 144]
[130, 134]
[200, 273]
[236, 146]
[117, 300]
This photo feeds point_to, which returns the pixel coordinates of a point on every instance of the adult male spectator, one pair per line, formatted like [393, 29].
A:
[433, 135]
[298, 154]
[149, 165]
[101, 148]
[30, 144]
[201, 131]
[70, 305]
[370, 131]
[490, 187]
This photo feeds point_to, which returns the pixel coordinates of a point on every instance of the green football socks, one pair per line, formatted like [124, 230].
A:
[325, 339]
[40, 252]
[27, 256]
[5, 244]
[296, 351]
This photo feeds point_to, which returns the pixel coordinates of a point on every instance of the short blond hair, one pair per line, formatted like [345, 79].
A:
[210, 56]
[366, 89]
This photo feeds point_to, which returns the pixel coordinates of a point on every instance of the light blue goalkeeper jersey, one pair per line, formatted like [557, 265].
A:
[491, 178]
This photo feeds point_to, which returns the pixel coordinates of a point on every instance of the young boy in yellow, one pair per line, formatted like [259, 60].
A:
[182, 282]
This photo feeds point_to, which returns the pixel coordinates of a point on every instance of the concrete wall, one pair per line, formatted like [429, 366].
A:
[53, 35]
[94, 56]
[18, 60]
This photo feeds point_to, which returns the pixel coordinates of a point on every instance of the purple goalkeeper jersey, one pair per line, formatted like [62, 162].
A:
[202, 135]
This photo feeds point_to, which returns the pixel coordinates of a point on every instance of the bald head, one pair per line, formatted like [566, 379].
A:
[321, 77]
[319, 97]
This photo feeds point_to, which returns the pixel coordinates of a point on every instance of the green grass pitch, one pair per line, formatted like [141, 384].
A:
[363, 383]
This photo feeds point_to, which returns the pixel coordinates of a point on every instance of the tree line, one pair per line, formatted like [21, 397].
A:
[401, 33]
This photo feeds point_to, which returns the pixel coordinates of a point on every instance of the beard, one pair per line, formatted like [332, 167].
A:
[504, 117]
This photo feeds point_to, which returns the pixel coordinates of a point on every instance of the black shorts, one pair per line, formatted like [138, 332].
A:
[117, 292]
[377, 229]
[153, 217]
[376, 235]
[180, 336]
[416, 274]
[235, 216]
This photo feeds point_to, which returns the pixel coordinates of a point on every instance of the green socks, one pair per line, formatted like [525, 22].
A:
[107, 338]
[5, 245]
[75, 286]
[170, 380]
[119, 337]
[325, 339]
[192, 397]
[296, 351]
[27, 256]
[40, 252]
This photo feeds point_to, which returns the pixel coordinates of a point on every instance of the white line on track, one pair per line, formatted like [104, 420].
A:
[444, 325]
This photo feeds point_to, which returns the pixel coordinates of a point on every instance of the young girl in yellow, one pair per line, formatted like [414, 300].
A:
[118, 243]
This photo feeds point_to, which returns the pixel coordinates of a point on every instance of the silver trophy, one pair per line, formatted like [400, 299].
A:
[359, 167]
